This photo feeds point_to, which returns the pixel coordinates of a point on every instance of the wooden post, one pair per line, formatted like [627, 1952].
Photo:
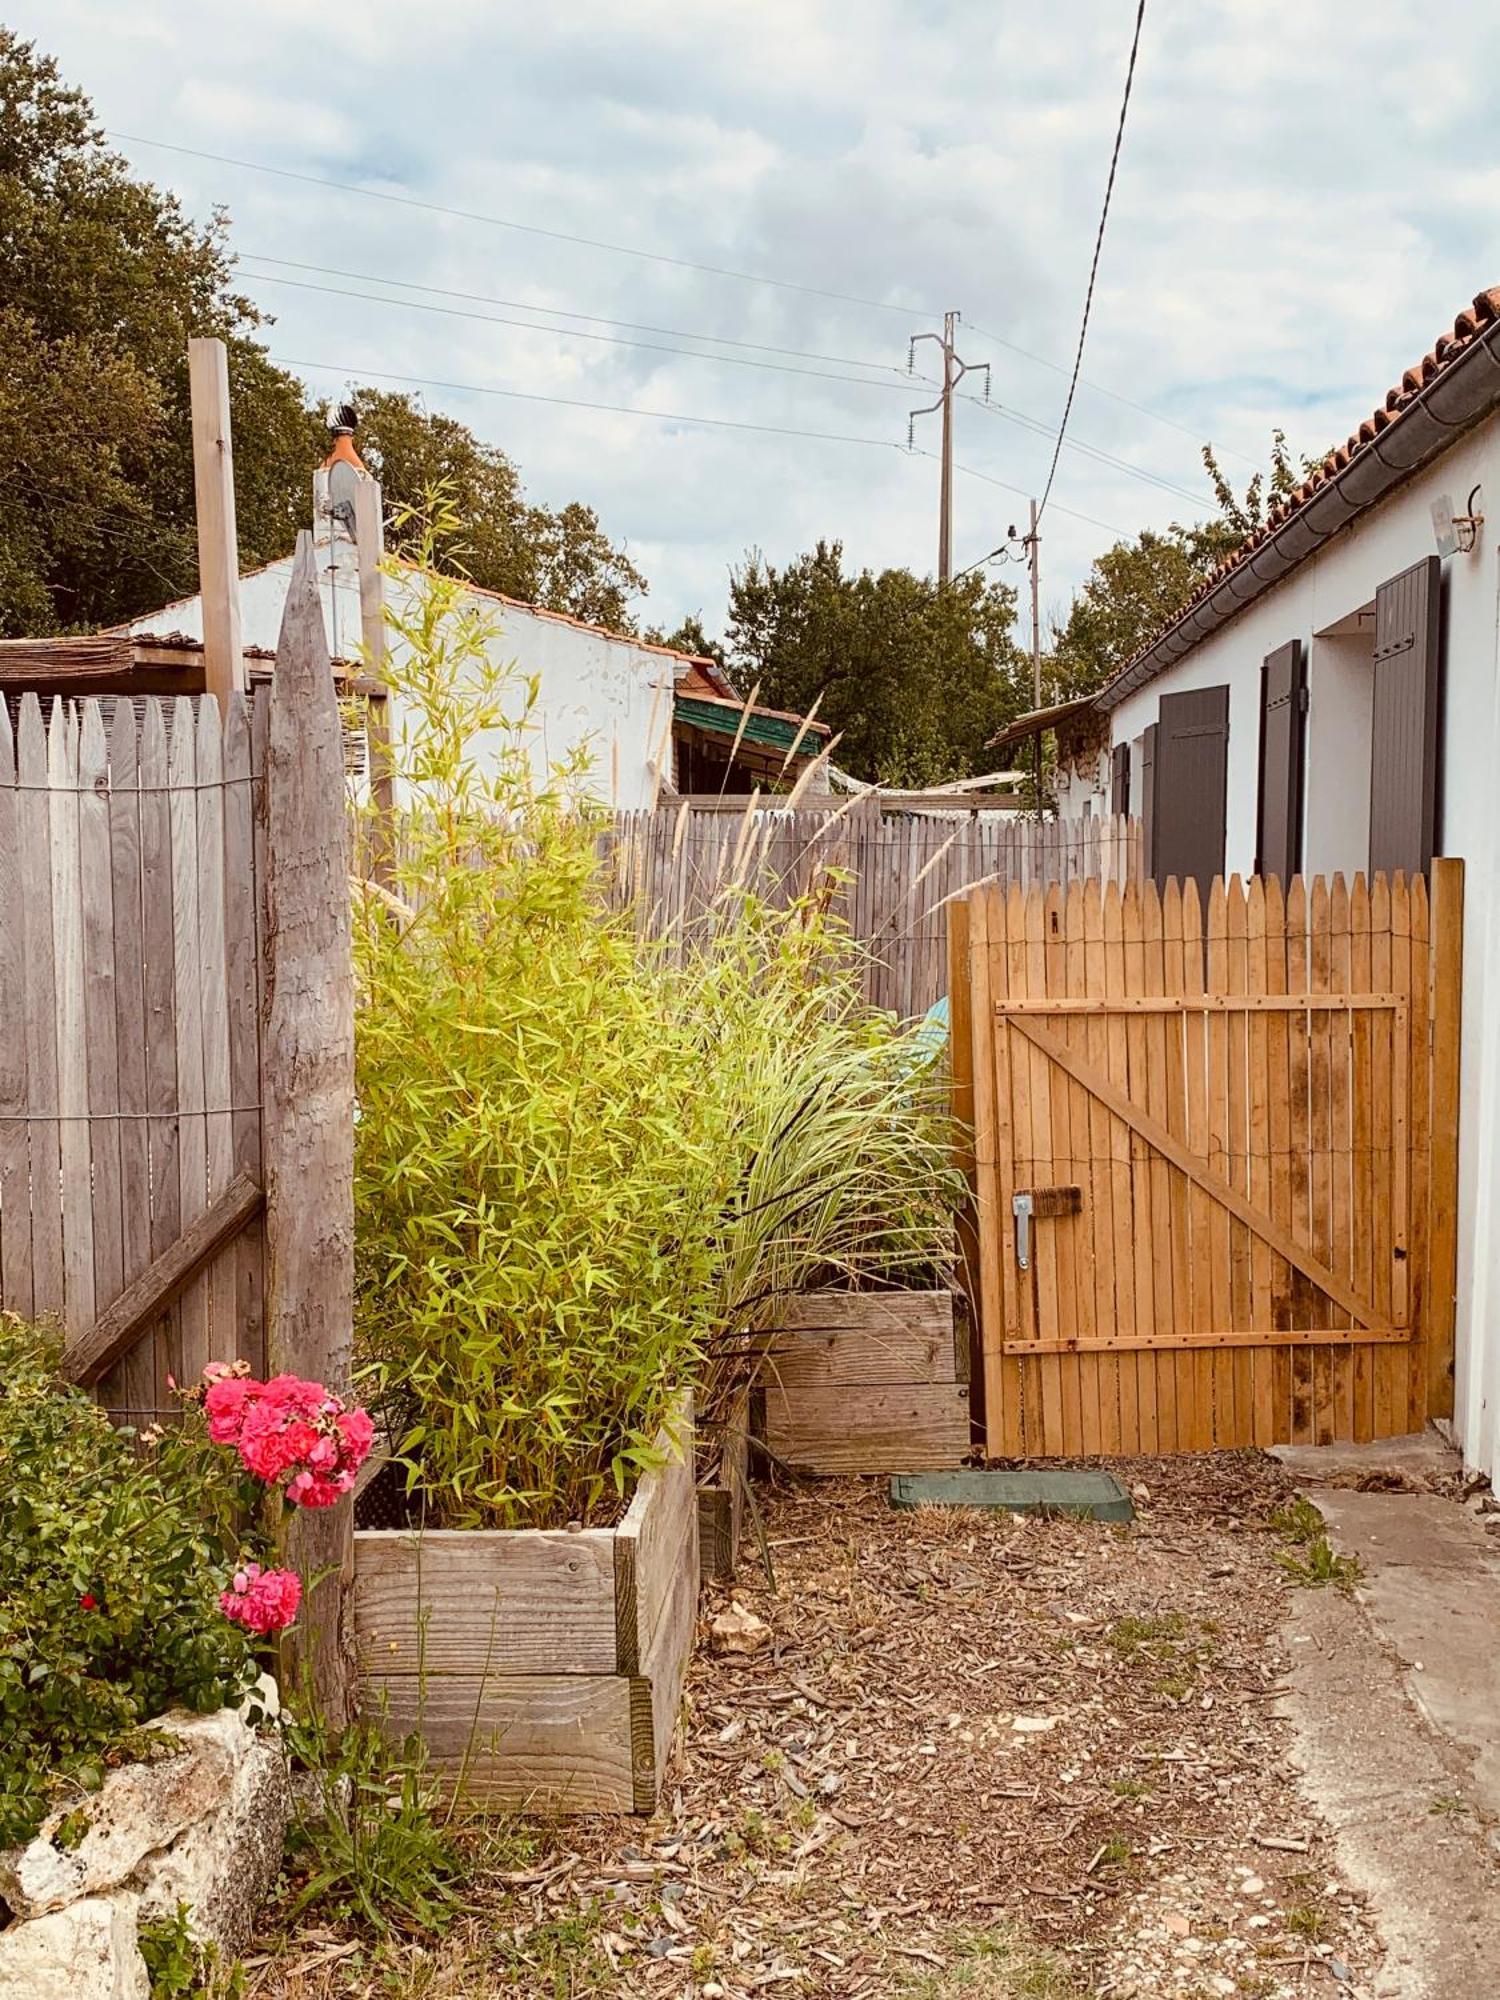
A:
[218, 542]
[1447, 929]
[369, 540]
[308, 1084]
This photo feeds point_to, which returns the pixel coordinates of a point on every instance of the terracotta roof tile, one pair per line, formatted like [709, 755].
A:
[1467, 326]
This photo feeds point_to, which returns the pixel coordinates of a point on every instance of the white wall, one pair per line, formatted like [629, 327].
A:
[1324, 592]
[1336, 794]
[594, 689]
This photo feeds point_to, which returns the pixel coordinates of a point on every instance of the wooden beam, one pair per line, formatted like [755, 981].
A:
[218, 541]
[1198, 1171]
[86, 657]
[369, 537]
[1276, 1336]
[308, 1083]
[1442, 1196]
[1209, 1003]
[90, 1355]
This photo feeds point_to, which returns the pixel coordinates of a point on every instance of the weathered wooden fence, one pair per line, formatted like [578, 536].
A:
[1214, 1158]
[682, 863]
[130, 973]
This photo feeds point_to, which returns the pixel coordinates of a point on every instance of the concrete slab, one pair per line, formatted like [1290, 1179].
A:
[1431, 1590]
[1396, 1796]
[1423, 1460]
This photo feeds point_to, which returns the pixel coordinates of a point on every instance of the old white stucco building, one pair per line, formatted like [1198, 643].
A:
[1330, 700]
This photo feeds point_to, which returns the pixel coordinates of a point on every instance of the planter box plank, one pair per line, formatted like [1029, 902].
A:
[902, 1427]
[520, 1601]
[721, 1499]
[649, 1544]
[548, 1742]
[864, 1337]
[665, 1664]
[544, 1669]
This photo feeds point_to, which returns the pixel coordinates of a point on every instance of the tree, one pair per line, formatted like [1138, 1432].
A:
[561, 560]
[103, 280]
[914, 676]
[1137, 586]
[690, 637]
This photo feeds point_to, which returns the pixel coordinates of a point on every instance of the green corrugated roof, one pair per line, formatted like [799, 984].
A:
[775, 732]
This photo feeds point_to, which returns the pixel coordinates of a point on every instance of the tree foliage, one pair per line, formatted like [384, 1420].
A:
[1138, 585]
[103, 280]
[913, 676]
[562, 560]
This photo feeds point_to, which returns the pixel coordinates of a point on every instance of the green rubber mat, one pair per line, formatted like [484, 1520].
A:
[1099, 1495]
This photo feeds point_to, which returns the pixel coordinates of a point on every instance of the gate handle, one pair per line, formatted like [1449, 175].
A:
[1021, 1207]
[1032, 1205]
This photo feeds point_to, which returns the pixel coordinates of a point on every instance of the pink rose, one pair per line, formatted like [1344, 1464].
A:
[227, 1403]
[262, 1600]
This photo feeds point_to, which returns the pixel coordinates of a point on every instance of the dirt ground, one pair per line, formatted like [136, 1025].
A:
[1017, 1758]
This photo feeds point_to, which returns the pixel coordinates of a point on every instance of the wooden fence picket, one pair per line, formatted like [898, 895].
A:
[673, 867]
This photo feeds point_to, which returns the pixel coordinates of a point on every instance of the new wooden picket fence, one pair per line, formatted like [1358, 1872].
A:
[889, 876]
[131, 847]
[1214, 1157]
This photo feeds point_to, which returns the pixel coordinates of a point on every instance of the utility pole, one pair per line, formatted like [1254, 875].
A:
[954, 370]
[1033, 554]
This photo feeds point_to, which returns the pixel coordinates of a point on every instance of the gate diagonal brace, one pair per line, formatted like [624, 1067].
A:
[1198, 1171]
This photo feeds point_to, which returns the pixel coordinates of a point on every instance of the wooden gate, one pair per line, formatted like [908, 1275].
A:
[1215, 1162]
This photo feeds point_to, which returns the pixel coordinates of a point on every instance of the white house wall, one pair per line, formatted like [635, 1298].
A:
[594, 691]
[1322, 592]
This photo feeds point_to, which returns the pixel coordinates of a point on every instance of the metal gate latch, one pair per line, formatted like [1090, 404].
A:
[1022, 1207]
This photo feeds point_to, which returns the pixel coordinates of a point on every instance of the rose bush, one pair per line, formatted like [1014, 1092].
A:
[112, 1559]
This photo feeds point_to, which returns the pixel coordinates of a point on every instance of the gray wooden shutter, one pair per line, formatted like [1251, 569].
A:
[1148, 799]
[1283, 738]
[1191, 784]
[1119, 779]
[1404, 725]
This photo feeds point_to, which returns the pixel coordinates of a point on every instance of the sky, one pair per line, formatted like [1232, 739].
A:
[1308, 192]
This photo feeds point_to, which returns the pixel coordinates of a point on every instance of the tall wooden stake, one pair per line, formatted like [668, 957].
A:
[369, 540]
[308, 1071]
[218, 543]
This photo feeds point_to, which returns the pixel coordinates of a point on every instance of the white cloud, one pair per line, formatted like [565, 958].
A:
[1305, 198]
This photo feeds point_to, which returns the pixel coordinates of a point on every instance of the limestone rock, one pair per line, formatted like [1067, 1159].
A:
[738, 1630]
[87, 1952]
[223, 1867]
[137, 1809]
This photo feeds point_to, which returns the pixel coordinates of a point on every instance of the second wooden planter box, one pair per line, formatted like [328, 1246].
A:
[543, 1667]
[868, 1382]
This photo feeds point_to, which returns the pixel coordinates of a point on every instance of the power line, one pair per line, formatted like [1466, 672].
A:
[350, 374]
[1007, 486]
[1094, 451]
[525, 228]
[1098, 389]
[577, 333]
[1088, 301]
[1034, 424]
[567, 312]
[581, 403]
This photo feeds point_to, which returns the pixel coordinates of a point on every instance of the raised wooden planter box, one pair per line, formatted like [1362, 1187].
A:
[868, 1382]
[543, 1667]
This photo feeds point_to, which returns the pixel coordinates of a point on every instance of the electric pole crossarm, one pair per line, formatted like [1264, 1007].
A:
[954, 370]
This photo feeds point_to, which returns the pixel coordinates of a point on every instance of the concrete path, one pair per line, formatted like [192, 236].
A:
[1396, 1706]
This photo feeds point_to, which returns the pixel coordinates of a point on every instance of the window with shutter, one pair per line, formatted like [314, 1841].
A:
[1119, 779]
[1190, 786]
[1404, 720]
[1283, 736]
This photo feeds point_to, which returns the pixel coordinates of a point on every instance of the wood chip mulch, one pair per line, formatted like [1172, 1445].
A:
[977, 1749]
